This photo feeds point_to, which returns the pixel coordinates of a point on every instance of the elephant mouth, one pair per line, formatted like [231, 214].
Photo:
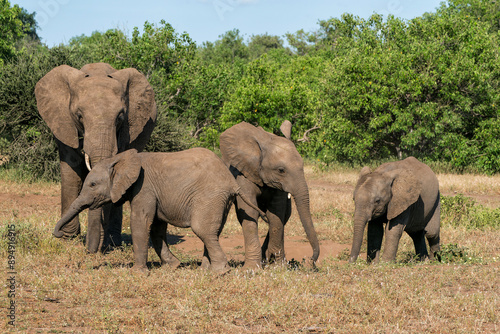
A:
[377, 214]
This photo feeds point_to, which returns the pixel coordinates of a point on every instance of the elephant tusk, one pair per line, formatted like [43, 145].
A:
[87, 162]
[289, 196]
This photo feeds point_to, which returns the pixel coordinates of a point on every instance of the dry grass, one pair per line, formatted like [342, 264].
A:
[60, 288]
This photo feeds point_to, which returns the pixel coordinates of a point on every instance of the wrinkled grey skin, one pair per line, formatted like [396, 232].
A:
[98, 111]
[403, 196]
[267, 168]
[191, 188]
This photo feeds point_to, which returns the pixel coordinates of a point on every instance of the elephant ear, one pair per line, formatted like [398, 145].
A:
[406, 189]
[126, 168]
[240, 148]
[361, 179]
[53, 95]
[141, 100]
[286, 129]
[98, 69]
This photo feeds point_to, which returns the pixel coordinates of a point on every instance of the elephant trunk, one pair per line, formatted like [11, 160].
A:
[95, 229]
[100, 145]
[75, 208]
[301, 198]
[357, 240]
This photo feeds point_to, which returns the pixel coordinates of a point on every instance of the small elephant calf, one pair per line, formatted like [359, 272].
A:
[192, 188]
[402, 196]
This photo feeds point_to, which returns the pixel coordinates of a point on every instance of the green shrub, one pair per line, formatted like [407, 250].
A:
[462, 211]
[28, 239]
[452, 253]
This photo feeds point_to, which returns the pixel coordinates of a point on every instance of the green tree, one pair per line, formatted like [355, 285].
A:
[29, 24]
[261, 44]
[406, 88]
[275, 87]
[302, 42]
[11, 29]
[230, 47]
[484, 10]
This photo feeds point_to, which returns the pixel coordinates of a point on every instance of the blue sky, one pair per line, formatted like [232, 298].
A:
[205, 20]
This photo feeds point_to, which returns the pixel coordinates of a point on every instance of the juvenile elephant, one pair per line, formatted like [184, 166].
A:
[403, 196]
[94, 113]
[191, 188]
[267, 168]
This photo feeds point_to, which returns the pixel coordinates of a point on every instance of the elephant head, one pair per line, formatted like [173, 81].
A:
[107, 182]
[269, 160]
[382, 194]
[109, 109]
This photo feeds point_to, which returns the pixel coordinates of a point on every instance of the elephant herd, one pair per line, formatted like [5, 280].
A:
[102, 118]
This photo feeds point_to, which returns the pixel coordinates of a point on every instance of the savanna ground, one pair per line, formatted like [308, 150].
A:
[59, 288]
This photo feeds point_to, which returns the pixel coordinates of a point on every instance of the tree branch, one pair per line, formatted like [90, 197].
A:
[305, 138]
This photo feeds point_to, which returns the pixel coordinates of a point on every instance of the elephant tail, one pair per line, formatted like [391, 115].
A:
[261, 213]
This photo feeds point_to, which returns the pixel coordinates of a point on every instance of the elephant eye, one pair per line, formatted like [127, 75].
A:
[92, 184]
[281, 170]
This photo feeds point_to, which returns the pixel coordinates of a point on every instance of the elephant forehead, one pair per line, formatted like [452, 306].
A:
[285, 148]
[373, 182]
[98, 87]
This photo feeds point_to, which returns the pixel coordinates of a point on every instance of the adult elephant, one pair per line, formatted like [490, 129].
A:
[94, 113]
[403, 196]
[267, 168]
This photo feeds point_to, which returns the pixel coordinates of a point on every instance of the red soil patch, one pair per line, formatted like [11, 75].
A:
[295, 247]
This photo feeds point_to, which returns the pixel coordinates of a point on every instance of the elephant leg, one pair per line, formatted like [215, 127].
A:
[265, 246]
[375, 235]
[393, 232]
[95, 230]
[207, 223]
[205, 260]
[248, 220]
[113, 225]
[432, 231]
[140, 226]
[420, 246]
[208, 230]
[275, 250]
[72, 176]
[159, 241]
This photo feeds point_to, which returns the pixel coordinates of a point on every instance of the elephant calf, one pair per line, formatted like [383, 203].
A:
[403, 196]
[192, 188]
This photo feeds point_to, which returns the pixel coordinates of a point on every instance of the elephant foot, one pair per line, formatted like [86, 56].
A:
[173, 263]
[140, 269]
[220, 270]
[205, 263]
[277, 259]
[70, 236]
[252, 266]
[308, 263]
[113, 241]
